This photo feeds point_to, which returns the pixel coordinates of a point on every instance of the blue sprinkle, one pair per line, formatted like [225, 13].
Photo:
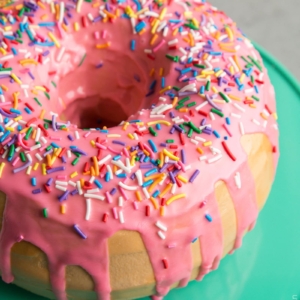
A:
[107, 177]
[54, 145]
[132, 45]
[117, 157]
[208, 217]
[122, 175]
[150, 172]
[147, 183]
[27, 110]
[153, 146]
[155, 194]
[98, 184]
[194, 240]
[227, 120]
[33, 181]
[216, 134]
[163, 82]
[202, 89]
[158, 127]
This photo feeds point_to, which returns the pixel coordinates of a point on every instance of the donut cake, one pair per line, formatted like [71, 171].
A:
[139, 141]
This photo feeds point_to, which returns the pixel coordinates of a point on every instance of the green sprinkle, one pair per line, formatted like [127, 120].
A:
[19, 41]
[47, 95]
[184, 100]
[256, 63]
[207, 86]
[53, 83]
[255, 98]
[49, 148]
[19, 33]
[169, 141]
[137, 158]
[37, 101]
[174, 58]
[245, 60]
[11, 150]
[75, 161]
[47, 121]
[216, 111]
[224, 96]
[22, 156]
[179, 106]
[28, 133]
[45, 213]
[190, 133]
[5, 69]
[248, 66]
[152, 131]
[21, 12]
[252, 79]
[191, 104]
[190, 25]
[192, 125]
[46, 125]
[199, 66]
[176, 88]
[182, 127]
[82, 60]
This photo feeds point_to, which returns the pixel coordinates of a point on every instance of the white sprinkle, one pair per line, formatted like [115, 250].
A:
[173, 42]
[77, 135]
[161, 235]
[69, 153]
[127, 187]
[61, 188]
[214, 150]
[72, 183]
[88, 209]
[173, 189]
[121, 217]
[120, 165]
[59, 182]
[201, 105]
[120, 201]
[60, 54]
[239, 107]
[38, 157]
[93, 191]
[110, 172]
[139, 177]
[38, 134]
[236, 115]
[265, 123]
[93, 196]
[161, 226]
[104, 160]
[241, 128]
[5, 153]
[256, 122]
[29, 157]
[214, 159]
[78, 183]
[146, 193]
[212, 117]
[194, 142]
[28, 170]
[199, 138]
[203, 157]
[237, 179]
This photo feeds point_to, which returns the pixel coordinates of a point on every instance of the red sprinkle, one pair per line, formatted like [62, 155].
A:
[165, 263]
[181, 137]
[104, 218]
[228, 151]
[147, 210]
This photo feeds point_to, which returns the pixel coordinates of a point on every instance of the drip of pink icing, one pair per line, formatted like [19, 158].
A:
[184, 219]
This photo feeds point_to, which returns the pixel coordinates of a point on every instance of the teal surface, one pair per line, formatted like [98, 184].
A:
[268, 265]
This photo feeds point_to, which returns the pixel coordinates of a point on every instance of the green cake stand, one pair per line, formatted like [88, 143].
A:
[267, 266]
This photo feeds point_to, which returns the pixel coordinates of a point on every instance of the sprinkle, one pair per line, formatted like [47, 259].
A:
[228, 151]
[88, 209]
[161, 226]
[208, 217]
[79, 231]
[176, 197]
[161, 235]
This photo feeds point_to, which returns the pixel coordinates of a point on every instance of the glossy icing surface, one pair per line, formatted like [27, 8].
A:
[85, 83]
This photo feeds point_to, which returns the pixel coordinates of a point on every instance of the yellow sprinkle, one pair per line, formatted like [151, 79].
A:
[155, 176]
[15, 97]
[233, 97]
[163, 13]
[18, 118]
[133, 153]
[76, 26]
[10, 129]
[102, 46]
[229, 33]
[53, 159]
[40, 88]
[275, 116]
[15, 78]
[125, 125]
[217, 74]
[65, 27]
[200, 150]
[252, 105]
[129, 11]
[154, 202]
[44, 170]
[167, 88]
[159, 122]
[195, 22]
[36, 165]
[3, 51]
[42, 114]
[34, 92]
[24, 62]
[208, 143]
[231, 69]
[204, 72]
[81, 182]
[166, 152]
[162, 210]
[138, 195]
[181, 178]
[54, 39]
[165, 190]
[153, 29]
[130, 136]
[263, 116]
[74, 174]
[132, 161]
[2, 165]
[219, 101]
[227, 49]
[242, 78]
[93, 143]
[63, 209]
[113, 135]
[236, 60]
[19, 6]
[215, 90]
[24, 130]
[176, 197]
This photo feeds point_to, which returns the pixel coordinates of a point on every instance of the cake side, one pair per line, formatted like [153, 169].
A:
[131, 272]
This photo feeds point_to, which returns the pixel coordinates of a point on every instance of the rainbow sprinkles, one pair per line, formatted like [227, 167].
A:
[203, 87]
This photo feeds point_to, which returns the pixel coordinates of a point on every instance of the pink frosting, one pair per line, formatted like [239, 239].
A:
[113, 92]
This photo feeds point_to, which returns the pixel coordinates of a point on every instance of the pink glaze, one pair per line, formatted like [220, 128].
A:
[114, 93]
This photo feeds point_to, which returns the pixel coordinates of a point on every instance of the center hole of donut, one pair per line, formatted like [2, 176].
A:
[106, 96]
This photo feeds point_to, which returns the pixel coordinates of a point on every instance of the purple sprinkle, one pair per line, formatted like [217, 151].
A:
[172, 177]
[208, 98]
[23, 167]
[48, 152]
[163, 168]
[207, 131]
[142, 157]
[119, 143]
[172, 130]
[132, 176]
[64, 160]
[78, 230]
[31, 75]
[57, 169]
[146, 166]
[64, 196]
[70, 137]
[45, 53]
[183, 156]
[203, 121]
[2, 112]
[77, 150]
[54, 123]
[171, 114]
[178, 128]
[74, 192]
[37, 191]
[49, 181]
[175, 172]
[99, 65]
[113, 191]
[163, 145]
[193, 177]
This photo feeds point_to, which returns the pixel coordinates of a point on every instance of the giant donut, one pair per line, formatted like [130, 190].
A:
[139, 141]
